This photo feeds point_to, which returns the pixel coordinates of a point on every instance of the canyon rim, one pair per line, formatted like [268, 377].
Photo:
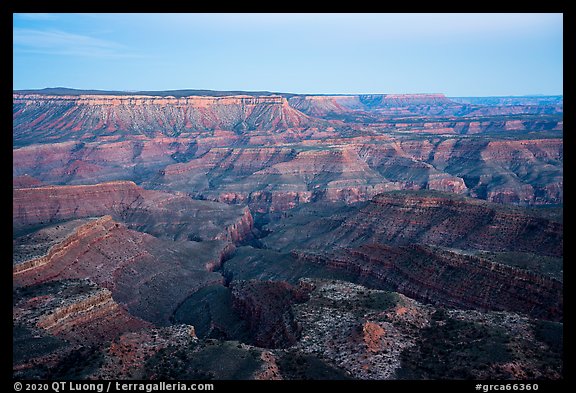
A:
[285, 236]
[375, 198]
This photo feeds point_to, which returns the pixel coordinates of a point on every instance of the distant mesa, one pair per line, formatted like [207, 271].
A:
[199, 234]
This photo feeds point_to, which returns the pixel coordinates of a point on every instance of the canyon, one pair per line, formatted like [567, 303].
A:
[265, 235]
[265, 152]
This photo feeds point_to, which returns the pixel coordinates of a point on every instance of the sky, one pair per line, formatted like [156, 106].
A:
[454, 54]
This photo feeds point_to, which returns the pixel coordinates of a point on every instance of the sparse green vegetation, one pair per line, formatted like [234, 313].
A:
[541, 264]
[210, 311]
[29, 343]
[454, 349]
[550, 333]
[213, 360]
[295, 365]
[78, 363]
[380, 301]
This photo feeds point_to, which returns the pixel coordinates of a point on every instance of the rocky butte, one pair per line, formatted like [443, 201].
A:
[255, 235]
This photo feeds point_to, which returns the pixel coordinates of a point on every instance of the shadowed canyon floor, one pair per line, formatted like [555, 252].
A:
[234, 235]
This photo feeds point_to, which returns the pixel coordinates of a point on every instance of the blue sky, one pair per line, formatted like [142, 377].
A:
[455, 54]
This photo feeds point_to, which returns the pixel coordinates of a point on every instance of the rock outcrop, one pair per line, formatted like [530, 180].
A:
[264, 151]
[375, 108]
[266, 307]
[448, 279]
[210, 235]
[403, 218]
[76, 310]
[37, 115]
[528, 172]
[357, 105]
[161, 214]
[42, 205]
[149, 276]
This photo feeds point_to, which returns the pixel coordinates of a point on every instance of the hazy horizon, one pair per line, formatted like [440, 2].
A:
[278, 92]
[459, 55]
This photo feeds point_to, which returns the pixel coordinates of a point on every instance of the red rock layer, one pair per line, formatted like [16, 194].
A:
[449, 279]
[146, 115]
[149, 276]
[273, 179]
[464, 223]
[326, 105]
[52, 203]
[243, 161]
[277, 179]
[200, 146]
[76, 310]
[61, 247]
[161, 214]
[407, 218]
[95, 319]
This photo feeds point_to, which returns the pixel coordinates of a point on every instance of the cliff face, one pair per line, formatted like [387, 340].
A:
[506, 171]
[77, 310]
[266, 307]
[262, 150]
[53, 203]
[144, 115]
[149, 276]
[242, 161]
[31, 251]
[323, 106]
[528, 172]
[379, 107]
[428, 246]
[524, 171]
[402, 218]
[134, 213]
[161, 214]
[49, 119]
[448, 279]
[240, 229]
[462, 223]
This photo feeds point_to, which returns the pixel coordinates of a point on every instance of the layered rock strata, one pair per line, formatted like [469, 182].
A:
[448, 279]
[174, 216]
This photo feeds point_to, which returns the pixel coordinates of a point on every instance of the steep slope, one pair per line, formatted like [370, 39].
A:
[161, 214]
[381, 107]
[266, 305]
[520, 171]
[402, 218]
[60, 325]
[262, 151]
[364, 106]
[149, 276]
[505, 171]
[99, 161]
[272, 179]
[39, 117]
[279, 178]
[448, 279]
[443, 277]
[74, 309]
[136, 254]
